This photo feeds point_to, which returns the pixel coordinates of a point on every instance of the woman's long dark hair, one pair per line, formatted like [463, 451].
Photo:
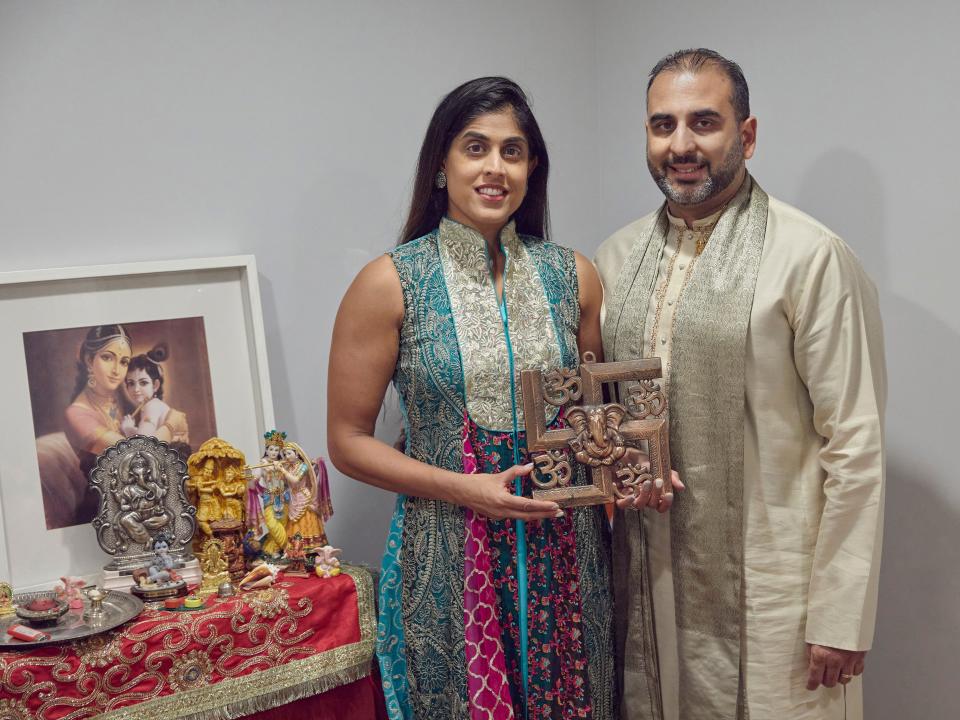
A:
[457, 110]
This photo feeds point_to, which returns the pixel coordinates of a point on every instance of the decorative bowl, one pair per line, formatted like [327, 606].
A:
[42, 618]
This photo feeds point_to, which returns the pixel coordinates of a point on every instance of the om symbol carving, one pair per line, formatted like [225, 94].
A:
[562, 386]
[645, 399]
[554, 466]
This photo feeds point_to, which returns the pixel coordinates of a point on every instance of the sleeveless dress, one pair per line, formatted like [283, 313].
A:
[449, 642]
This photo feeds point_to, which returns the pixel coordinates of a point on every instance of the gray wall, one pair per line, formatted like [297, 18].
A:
[857, 105]
[142, 130]
[139, 131]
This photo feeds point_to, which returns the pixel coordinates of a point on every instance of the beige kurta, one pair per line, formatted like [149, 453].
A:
[813, 459]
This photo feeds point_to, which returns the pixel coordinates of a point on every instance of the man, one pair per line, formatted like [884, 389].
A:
[755, 595]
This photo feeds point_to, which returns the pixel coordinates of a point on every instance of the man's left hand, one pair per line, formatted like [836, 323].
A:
[829, 666]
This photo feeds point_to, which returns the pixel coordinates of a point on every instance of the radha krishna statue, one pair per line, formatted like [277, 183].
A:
[287, 494]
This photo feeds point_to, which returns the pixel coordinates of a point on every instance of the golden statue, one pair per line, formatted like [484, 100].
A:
[6, 600]
[234, 493]
[213, 565]
[217, 485]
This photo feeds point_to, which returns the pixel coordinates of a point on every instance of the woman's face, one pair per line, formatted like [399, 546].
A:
[108, 366]
[273, 452]
[487, 169]
[140, 386]
[289, 454]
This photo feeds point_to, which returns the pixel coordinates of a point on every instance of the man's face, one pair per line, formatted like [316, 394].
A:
[696, 149]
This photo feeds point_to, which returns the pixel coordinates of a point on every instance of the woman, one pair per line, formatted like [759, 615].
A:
[303, 516]
[144, 387]
[93, 417]
[491, 604]
[92, 420]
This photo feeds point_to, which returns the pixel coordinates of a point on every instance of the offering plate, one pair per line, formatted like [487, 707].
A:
[116, 609]
[41, 618]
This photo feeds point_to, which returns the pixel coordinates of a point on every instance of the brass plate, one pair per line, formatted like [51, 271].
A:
[118, 608]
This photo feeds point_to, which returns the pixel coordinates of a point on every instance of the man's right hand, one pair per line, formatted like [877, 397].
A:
[653, 494]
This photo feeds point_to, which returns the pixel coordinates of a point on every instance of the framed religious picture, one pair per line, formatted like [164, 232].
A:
[173, 350]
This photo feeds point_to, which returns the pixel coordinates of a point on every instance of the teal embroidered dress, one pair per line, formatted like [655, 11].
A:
[449, 640]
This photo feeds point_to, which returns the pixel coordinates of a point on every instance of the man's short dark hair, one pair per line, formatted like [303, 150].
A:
[694, 60]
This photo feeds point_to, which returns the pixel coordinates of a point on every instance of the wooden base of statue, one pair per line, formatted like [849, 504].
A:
[157, 593]
[296, 571]
[608, 438]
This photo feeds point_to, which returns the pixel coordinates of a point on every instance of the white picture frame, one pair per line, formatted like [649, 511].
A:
[224, 291]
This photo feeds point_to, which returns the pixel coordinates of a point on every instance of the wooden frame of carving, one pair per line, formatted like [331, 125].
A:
[643, 416]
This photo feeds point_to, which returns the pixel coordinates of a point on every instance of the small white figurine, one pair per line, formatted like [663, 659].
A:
[327, 564]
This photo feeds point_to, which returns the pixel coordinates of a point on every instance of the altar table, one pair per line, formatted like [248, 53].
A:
[235, 657]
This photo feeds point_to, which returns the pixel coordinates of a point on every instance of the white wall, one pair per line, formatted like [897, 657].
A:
[857, 105]
[290, 130]
[140, 130]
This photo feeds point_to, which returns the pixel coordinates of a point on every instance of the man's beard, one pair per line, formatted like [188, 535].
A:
[714, 184]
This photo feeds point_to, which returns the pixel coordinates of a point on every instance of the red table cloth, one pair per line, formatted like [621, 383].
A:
[236, 656]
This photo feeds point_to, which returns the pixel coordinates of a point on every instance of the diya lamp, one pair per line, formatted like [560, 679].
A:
[42, 611]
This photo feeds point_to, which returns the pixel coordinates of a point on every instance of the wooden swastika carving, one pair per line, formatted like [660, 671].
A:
[603, 436]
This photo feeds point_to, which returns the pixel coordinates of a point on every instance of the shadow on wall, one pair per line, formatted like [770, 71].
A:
[910, 670]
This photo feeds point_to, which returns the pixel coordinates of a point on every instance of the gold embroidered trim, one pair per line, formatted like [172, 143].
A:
[234, 697]
[13, 710]
[702, 234]
[478, 323]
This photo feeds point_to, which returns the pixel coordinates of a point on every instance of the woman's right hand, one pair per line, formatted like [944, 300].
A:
[492, 495]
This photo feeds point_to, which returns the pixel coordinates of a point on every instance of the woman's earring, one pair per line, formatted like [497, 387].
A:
[441, 181]
[91, 382]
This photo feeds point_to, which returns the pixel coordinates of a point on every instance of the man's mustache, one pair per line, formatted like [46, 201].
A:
[685, 160]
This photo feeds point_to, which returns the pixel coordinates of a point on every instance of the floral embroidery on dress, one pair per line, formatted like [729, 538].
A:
[487, 685]
[559, 684]
[480, 335]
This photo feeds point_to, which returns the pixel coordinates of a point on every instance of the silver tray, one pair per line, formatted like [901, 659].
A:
[118, 608]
